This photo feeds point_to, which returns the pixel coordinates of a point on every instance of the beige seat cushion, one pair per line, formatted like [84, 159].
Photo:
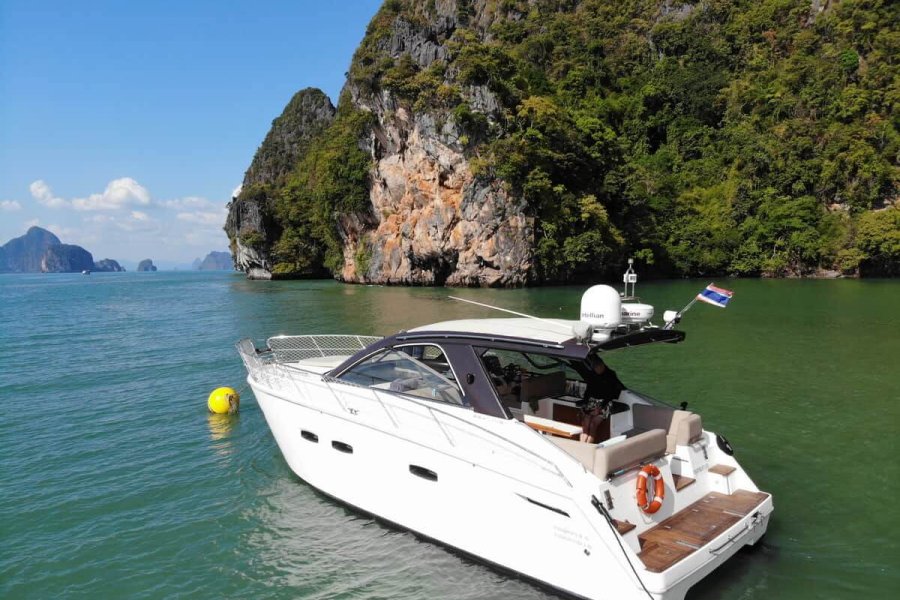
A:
[583, 451]
[604, 462]
[686, 428]
[682, 427]
[641, 448]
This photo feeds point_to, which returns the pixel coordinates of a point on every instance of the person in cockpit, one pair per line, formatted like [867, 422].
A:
[603, 386]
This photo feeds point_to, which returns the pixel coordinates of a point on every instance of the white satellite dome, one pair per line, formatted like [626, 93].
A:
[601, 306]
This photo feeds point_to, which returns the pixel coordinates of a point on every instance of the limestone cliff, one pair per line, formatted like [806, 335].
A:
[24, 254]
[66, 258]
[434, 221]
[252, 225]
[427, 219]
[490, 143]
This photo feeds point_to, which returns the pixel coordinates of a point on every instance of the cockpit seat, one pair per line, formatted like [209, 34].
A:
[550, 385]
[610, 460]
[682, 427]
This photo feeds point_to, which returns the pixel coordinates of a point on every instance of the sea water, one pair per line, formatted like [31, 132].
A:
[115, 482]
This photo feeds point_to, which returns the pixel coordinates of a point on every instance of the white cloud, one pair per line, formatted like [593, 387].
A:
[140, 222]
[32, 223]
[125, 222]
[188, 203]
[237, 190]
[63, 233]
[41, 192]
[214, 218]
[119, 193]
[99, 219]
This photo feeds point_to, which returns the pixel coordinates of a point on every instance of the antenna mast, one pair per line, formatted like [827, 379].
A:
[630, 277]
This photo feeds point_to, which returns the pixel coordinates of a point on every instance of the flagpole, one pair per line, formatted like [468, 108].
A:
[681, 312]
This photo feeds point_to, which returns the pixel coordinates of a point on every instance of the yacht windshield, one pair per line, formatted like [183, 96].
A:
[396, 370]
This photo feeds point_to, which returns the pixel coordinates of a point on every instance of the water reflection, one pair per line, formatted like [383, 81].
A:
[220, 432]
[309, 545]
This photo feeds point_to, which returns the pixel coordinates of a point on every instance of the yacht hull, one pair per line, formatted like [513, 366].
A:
[449, 478]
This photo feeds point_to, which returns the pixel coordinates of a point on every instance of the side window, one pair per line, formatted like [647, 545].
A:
[416, 370]
[520, 377]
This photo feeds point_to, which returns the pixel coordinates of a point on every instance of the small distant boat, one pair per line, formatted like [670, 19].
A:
[85, 272]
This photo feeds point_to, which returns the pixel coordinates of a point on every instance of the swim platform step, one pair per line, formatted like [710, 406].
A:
[694, 526]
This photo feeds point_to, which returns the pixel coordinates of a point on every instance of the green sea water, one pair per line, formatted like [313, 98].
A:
[116, 483]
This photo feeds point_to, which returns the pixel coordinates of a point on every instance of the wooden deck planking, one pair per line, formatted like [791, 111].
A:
[658, 557]
[682, 482]
[723, 470]
[694, 526]
[623, 527]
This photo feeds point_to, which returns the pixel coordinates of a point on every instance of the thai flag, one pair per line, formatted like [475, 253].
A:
[715, 296]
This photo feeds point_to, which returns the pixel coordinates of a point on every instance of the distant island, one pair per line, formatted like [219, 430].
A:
[108, 265]
[146, 265]
[40, 251]
[214, 261]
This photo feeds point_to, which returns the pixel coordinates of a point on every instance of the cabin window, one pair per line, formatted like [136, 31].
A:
[527, 382]
[419, 370]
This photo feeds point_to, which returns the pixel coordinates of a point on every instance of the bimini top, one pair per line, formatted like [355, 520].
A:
[548, 332]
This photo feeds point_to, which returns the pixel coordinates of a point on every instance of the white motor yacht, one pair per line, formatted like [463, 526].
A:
[468, 433]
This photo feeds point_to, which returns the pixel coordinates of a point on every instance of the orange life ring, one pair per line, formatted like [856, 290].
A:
[643, 487]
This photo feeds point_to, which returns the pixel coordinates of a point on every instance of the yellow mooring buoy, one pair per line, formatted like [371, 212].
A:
[223, 400]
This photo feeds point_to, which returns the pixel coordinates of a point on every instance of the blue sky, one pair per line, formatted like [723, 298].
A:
[125, 126]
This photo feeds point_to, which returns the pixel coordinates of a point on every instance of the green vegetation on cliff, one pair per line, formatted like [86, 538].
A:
[330, 181]
[749, 137]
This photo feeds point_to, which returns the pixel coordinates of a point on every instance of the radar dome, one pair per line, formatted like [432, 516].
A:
[636, 313]
[601, 306]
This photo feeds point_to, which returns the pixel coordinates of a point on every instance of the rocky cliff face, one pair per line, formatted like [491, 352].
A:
[66, 258]
[24, 254]
[429, 219]
[251, 224]
[494, 143]
[435, 222]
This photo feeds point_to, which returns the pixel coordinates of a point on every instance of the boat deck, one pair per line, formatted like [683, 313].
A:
[686, 531]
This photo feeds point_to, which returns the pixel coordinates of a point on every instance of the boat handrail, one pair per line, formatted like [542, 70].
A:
[256, 361]
[294, 348]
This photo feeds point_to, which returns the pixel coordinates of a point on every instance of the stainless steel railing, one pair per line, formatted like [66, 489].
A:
[273, 368]
[293, 348]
